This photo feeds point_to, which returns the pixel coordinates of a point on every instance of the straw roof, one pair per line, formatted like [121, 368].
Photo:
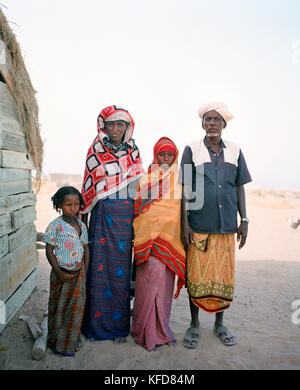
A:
[24, 95]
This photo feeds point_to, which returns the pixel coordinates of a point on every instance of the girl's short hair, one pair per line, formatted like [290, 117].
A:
[59, 196]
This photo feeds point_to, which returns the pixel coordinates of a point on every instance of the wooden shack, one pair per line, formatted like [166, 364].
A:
[21, 151]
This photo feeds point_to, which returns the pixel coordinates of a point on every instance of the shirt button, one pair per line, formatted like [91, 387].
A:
[220, 186]
[220, 205]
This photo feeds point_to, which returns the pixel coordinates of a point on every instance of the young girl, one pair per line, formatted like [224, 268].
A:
[158, 249]
[67, 251]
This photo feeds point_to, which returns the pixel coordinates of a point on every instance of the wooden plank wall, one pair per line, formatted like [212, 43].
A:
[19, 272]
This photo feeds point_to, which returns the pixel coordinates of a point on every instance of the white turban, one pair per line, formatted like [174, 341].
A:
[220, 107]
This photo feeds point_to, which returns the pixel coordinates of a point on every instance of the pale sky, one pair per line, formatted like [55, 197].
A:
[161, 60]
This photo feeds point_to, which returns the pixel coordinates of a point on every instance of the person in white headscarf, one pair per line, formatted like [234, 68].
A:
[214, 172]
[219, 107]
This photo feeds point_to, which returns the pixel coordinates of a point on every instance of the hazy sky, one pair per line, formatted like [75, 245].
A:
[162, 59]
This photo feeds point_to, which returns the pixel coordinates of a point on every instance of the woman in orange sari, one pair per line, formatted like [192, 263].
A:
[158, 249]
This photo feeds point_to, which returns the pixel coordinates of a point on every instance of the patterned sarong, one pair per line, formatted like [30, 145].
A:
[65, 312]
[211, 271]
[107, 312]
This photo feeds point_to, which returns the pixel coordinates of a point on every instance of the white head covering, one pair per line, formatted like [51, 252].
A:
[220, 107]
[115, 113]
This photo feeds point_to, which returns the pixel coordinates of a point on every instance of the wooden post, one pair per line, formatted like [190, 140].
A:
[39, 348]
[35, 330]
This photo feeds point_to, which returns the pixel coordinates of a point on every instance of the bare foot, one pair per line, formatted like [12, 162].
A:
[172, 344]
[120, 340]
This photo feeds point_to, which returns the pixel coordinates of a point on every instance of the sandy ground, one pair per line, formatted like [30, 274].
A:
[267, 282]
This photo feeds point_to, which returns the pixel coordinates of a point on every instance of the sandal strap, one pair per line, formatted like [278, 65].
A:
[222, 329]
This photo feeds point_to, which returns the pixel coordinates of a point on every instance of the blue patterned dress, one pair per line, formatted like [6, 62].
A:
[107, 311]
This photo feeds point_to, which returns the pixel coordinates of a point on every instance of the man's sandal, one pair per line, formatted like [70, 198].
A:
[224, 335]
[191, 338]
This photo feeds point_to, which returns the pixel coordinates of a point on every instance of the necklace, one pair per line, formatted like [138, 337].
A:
[116, 148]
[67, 219]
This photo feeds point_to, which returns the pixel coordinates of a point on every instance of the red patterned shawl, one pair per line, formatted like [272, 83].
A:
[109, 168]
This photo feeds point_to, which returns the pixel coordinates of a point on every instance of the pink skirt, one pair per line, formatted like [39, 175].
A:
[152, 304]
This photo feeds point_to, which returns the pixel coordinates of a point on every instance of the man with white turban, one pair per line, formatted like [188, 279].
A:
[219, 107]
[213, 172]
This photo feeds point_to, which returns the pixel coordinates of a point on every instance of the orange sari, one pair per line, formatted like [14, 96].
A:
[157, 210]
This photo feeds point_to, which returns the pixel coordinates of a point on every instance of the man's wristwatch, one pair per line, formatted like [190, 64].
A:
[245, 220]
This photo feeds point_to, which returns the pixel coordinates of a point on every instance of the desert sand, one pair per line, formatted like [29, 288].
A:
[267, 282]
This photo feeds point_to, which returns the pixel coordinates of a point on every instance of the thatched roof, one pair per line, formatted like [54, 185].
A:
[24, 95]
